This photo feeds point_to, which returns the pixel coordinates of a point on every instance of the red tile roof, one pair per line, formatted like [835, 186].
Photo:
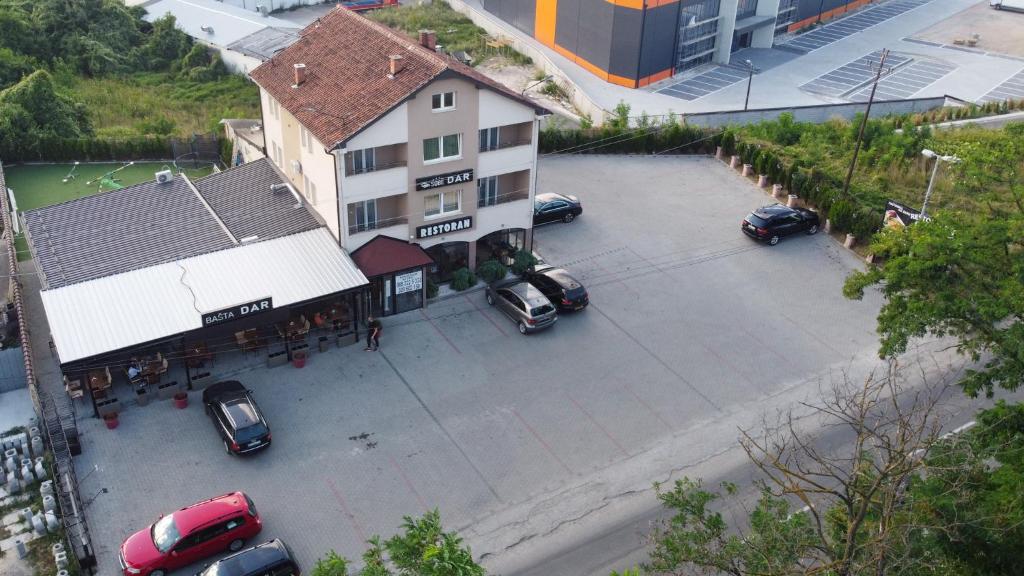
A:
[384, 255]
[347, 86]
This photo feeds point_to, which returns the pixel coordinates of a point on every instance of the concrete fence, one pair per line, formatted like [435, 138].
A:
[818, 113]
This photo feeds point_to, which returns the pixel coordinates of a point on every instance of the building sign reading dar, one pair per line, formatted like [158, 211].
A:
[445, 179]
[236, 312]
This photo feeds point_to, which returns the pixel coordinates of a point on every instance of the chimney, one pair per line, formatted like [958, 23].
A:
[300, 75]
[397, 63]
[428, 39]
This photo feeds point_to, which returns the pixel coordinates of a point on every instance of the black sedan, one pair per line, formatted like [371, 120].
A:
[237, 417]
[562, 289]
[771, 223]
[551, 207]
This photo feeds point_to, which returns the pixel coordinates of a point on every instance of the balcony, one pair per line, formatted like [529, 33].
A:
[516, 155]
[377, 182]
[379, 226]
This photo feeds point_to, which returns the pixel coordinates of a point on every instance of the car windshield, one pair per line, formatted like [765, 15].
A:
[757, 220]
[541, 310]
[575, 293]
[165, 534]
[213, 570]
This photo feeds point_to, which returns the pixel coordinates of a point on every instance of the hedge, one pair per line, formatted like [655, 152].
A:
[671, 137]
[52, 149]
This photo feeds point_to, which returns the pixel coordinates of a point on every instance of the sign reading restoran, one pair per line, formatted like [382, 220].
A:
[464, 223]
[238, 312]
[444, 179]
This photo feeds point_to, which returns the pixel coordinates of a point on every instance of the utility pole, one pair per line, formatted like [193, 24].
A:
[750, 80]
[864, 123]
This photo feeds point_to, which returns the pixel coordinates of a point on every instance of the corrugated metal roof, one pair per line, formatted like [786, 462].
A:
[264, 44]
[226, 23]
[124, 310]
[243, 200]
[121, 230]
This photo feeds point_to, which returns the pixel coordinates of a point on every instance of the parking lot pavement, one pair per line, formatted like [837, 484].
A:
[703, 84]
[1011, 89]
[855, 74]
[851, 25]
[906, 81]
[689, 321]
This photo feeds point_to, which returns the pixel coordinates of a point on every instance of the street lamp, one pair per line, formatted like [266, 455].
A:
[750, 80]
[931, 181]
[544, 79]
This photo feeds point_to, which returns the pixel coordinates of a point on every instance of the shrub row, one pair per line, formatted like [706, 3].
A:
[670, 137]
[52, 149]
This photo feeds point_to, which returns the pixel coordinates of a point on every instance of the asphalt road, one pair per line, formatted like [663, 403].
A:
[624, 544]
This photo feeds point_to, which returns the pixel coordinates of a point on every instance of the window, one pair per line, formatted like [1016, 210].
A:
[487, 191]
[309, 188]
[278, 154]
[165, 533]
[442, 148]
[363, 161]
[489, 139]
[442, 203]
[275, 108]
[365, 214]
[307, 139]
[443, 102]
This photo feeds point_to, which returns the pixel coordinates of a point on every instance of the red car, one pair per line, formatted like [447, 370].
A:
[191, 534]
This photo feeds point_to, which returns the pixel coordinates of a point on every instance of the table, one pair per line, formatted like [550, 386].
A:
[152, 367]
[197, 354]
[99, 382]
[296, 328]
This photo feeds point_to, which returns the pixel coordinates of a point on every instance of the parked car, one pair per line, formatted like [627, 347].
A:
[524, 304]
[190, 535]
[236, 417]
[771, 223]
[550, 207]
[564, 291]
[272, 558]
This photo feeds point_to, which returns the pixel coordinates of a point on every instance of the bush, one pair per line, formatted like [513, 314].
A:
[463, 279]
[432, 289]
[842, 215]
[523, 261]
[491, 271]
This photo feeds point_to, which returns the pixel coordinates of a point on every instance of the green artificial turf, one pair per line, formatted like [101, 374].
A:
[41, 185]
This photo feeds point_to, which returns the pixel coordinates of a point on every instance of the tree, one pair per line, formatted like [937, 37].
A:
[423, 548]
[51, 113]
[166, 44]
[853, 520]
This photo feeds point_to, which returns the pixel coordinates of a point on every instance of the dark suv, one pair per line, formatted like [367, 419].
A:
[771, 223]
[563, 290]
[237, 417]
[272, 558]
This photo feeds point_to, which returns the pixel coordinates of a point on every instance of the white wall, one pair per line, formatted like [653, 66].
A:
[318, 168]
[272, 133]
[393, 128]
[497, 110]
[237, 62]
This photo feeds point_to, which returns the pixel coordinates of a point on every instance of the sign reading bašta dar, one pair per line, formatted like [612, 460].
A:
[445, 179]
[409, 282]
[237, 312]
[464, 223]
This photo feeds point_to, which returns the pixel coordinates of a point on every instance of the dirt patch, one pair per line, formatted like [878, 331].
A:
[999, 31]
[519, 78]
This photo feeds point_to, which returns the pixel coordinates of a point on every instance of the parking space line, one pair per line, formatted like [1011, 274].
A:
[346, 510]
[541, 440]
[646, 405]
[408, 483]
[657, 358]
[443, 335]
[485, 315]
[440, 426]
[598, 424]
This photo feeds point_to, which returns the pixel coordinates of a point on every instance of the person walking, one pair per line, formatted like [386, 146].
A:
[373, 330]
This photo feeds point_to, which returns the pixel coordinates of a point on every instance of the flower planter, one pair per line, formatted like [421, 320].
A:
[299, 358]
[167, 390]
[111, 421]
[719, 153]
[793, 199]
[777, 190]
[201, 381]
[279, 358]
[181, 400]
[828, 226]
[762, 181]
[850, 241]
[747, 169]
[324, 343]
[141, 396]
[108, 406]
[734, 161]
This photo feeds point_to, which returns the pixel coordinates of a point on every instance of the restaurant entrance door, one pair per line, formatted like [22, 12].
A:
[396, 293]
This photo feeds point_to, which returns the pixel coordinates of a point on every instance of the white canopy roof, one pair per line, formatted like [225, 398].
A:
[132, 308]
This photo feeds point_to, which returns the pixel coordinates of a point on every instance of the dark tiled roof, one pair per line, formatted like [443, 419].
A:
[265, 43]
[243, 200]
[347, 84]
[385, 254]
[121, 230]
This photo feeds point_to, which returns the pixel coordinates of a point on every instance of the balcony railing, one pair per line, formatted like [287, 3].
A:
[377, 225]
[375, 168]
[503, 145]
[504, 197]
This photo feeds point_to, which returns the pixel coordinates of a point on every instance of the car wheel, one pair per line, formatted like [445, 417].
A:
[568, 217]
[236, 545]
[774, 240]
[813, 229]
[522, 328]
[157, 573]
[490, 300]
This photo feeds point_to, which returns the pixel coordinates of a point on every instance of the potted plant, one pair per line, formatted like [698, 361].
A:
[181, 400]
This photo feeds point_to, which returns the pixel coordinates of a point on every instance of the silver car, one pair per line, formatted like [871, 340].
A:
[524, 304]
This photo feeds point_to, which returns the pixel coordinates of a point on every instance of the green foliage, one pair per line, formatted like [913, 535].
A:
[554, 90]
[331, 565]
[432, 289]
[728, 142]
[463, 279]
[620, 117]
[454, 31]
[662, 135]
[159, 126]
[14, 67]
[165, 45]
[491, 271]
[841, 215]
[523, 261]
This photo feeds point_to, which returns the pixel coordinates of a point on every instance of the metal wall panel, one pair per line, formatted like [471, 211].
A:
[519, 13]
[659, 42]
[626, 36]
[809, 8]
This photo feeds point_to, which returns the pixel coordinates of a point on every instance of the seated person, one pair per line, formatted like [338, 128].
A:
[134, 370]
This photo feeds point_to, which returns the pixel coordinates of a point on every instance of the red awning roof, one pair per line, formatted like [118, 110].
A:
[384, 255]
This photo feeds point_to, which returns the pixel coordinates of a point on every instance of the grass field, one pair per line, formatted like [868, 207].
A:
[41, 185]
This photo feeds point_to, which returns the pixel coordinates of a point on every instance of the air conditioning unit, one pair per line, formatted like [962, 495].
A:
[164, 176]
[296, 167]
